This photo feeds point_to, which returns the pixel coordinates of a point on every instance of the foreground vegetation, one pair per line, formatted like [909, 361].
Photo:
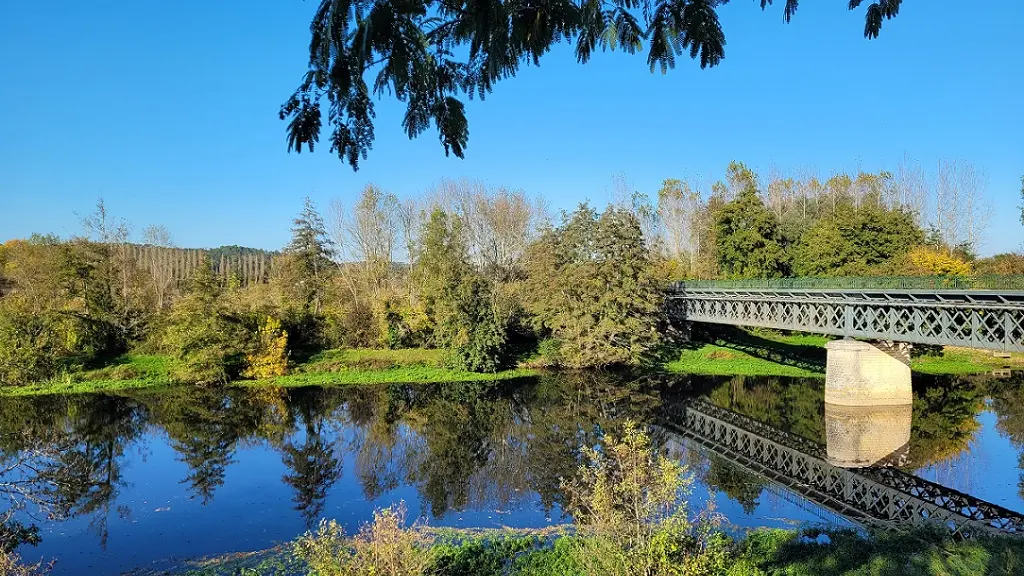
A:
[762, 552]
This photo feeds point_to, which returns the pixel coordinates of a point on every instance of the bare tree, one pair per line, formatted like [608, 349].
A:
[119, 266]
[159, 262]
[368, 234]
[909, 189]
[961, 211]
[499, 222]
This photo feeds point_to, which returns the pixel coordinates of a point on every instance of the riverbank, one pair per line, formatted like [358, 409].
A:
[770, 353]
[726, 353]
[763, 552]
[329, 368]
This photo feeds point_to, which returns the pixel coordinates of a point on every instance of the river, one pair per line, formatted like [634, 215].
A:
[143, 479]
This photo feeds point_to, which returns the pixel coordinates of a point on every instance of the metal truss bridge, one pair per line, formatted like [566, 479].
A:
[875, 497]
[992, 320]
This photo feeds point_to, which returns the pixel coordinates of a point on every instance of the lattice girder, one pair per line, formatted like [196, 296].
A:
[974, 319]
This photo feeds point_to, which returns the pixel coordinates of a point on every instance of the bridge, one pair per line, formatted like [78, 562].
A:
[985, 319]
[893, 316]
[872, 497]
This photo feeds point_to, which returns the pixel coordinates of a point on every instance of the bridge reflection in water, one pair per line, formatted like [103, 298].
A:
[883, 497]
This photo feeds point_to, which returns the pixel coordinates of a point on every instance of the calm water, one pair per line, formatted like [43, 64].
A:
[115, 482]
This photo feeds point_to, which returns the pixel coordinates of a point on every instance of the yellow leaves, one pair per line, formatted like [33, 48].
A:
[929, 261]
[270, 356]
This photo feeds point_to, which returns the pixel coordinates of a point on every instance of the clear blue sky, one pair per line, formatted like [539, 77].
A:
[169, 111]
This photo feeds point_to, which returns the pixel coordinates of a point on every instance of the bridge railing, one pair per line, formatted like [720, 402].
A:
[985, 282]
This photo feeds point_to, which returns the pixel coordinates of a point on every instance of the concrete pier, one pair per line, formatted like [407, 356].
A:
[861, 436]
[864, 374]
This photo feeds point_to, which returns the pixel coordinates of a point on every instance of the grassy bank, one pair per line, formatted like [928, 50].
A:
[759, 553]
[330, 368]
[769, 353]
[726, 353]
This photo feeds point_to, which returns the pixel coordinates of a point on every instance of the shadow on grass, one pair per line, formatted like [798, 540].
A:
[804, 356]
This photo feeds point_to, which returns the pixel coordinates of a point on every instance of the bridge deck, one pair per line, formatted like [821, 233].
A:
[971, 318]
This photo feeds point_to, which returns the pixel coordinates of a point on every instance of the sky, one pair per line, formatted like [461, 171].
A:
[168, 110]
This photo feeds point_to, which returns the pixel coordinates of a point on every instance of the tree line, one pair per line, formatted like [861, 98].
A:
[484, 273]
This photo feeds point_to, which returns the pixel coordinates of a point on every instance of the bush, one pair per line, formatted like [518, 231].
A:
[628, 504]
[34, 343]
[382, 548]
[269, 356]
[208, 341]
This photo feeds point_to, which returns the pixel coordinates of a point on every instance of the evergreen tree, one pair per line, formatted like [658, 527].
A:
[310, 252]
[459, 300]
[593, 285]
[854, 242]
[747, 235]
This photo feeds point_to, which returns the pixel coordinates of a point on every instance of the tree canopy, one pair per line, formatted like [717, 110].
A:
[431, 54]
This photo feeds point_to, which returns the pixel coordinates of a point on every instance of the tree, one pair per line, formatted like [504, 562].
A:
[430, 54]
[593, 284]
[112, 283]
[747, 235]
[854, 242]
[460, 301]
[206, 339]
[1022, 199]
[310, 252]
[159, 264]
[368, 235]
[961, 210]
[498, 224]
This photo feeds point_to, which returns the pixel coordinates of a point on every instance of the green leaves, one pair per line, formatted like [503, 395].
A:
[593, 285]
[430, 54]
[877, 11]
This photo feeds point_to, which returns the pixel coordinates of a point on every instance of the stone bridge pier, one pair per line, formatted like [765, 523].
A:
[868, 400]
[867, 374]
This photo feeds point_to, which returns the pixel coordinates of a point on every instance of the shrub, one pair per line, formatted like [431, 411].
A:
[382, 548]
[35, 343]
[206, 338]
[269, 356]
[928, 261]
[629, 505]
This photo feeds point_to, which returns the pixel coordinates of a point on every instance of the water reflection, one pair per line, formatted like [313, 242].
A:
[862, 436]
[151, 474]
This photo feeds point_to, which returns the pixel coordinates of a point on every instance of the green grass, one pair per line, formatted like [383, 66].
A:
[329, 368]
[130, 371]
[768, 353]
[761, 552]
[713, 360]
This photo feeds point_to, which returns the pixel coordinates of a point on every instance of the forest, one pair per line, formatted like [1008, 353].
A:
[486, 275]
